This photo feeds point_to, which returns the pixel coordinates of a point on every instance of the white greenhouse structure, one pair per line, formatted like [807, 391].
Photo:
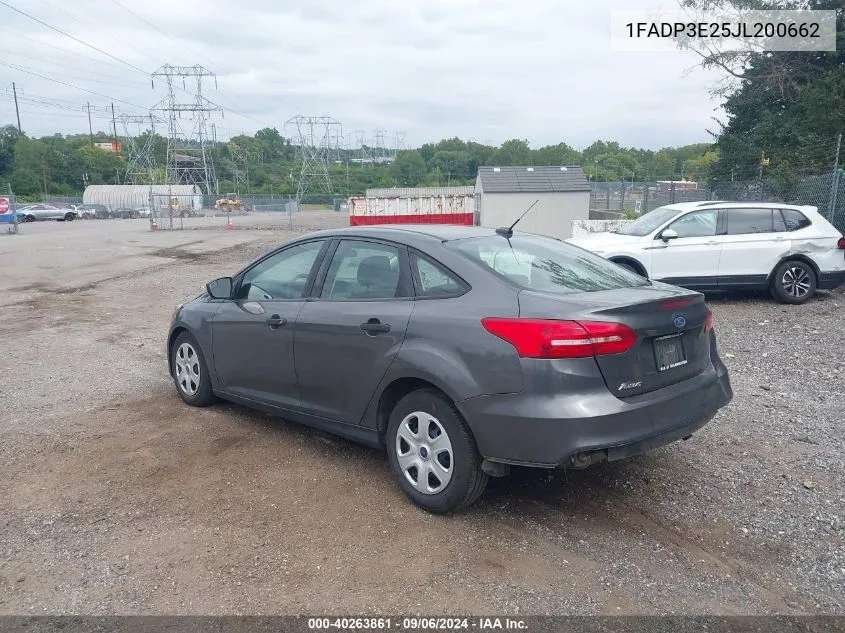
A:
[116, 197]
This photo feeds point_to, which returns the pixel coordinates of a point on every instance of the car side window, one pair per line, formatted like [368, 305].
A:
[281, 276]
[364, 270]
[748, 221]
[794, 220]
[433, 280]
[696, 224]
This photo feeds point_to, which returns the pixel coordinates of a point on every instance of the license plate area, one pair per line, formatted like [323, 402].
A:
[669, 352]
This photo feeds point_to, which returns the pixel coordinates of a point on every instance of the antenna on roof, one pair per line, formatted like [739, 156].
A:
[507, 232]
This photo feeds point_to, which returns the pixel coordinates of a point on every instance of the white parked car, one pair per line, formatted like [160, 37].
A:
[789, 250]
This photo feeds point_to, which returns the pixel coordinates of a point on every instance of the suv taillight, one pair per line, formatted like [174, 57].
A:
[841, 243]
[541, 338]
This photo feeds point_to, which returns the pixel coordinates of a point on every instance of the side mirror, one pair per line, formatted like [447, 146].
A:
[669, 234]
[220, 288]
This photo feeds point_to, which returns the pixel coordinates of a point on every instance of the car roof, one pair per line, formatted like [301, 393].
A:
[733, 204]
[408, 233]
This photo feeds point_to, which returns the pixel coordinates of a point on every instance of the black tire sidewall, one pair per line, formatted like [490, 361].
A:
[466, 460]
[204, 395]
[777, 287]
[628, 267]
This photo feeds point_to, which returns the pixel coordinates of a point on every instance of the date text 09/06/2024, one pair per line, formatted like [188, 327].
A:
[723, 30]
[416, 624]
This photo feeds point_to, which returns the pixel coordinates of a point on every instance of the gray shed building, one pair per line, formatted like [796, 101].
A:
[504, 193]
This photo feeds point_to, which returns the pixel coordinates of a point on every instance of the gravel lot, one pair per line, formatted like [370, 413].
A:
[117, 498]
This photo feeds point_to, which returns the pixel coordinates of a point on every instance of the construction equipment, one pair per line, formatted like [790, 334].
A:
[230, 204]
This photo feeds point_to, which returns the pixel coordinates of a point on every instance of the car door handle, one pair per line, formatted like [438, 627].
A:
[713, 243]
[276, 321]
[374, 326]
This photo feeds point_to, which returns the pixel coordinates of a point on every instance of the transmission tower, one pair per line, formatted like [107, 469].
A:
[313, 135]
[189, 160]
[362, 153]
[240, 167]
[139, 143]
[379, 136]
[398, 143]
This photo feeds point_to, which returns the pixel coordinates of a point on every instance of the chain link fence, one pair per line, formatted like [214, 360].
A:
[8, 212]
[826, 192]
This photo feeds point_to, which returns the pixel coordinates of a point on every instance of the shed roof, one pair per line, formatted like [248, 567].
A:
[532, 179]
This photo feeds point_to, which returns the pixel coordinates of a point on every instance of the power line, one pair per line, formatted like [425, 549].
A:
[68, 52]
[76, 18]
[68, 66]
[111, 82]
[163, 32]
[99, 50]
[99, 94]
[76, 39]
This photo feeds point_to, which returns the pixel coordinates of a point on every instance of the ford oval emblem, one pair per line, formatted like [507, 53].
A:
[679, 321]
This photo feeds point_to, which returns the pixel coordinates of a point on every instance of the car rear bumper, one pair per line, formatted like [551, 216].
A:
[575, 429]
[831, 279]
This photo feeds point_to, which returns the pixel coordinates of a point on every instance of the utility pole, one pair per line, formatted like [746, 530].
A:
[90, 127]
[17, 111]
[114, 124]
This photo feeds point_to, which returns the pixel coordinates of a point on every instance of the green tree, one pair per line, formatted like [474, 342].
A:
[409, 168]
[788, 106]
[513, 152]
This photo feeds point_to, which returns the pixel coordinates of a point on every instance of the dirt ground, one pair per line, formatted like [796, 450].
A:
[116, 498]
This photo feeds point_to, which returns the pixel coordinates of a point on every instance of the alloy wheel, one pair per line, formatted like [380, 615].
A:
[796, 281]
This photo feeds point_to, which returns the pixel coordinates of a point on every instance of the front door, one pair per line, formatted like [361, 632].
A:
[252, 336]
[691, 259]
[349, 334]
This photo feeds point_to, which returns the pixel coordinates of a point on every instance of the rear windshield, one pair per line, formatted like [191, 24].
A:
[543, 264]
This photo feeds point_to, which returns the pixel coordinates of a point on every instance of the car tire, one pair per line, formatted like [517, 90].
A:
[69, 217]
[190, 372]
[29, 218]
[426, 432]
[793, 282]
[629, 268]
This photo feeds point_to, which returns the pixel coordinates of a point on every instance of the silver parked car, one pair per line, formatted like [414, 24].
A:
[33, 212]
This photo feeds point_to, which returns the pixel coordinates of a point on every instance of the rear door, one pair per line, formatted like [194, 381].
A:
[755, 240]
[252, 336]
[692, 259]
[349, 333]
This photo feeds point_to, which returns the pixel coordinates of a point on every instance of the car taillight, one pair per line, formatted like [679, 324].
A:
[841, 243]
[708, 322]
[541, 338]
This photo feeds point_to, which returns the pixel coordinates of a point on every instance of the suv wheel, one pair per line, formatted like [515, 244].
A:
[69, 217]
[190, 373]
[793, 282]
[432, 453]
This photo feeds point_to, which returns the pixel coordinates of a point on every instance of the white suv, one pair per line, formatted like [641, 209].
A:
[791, 250]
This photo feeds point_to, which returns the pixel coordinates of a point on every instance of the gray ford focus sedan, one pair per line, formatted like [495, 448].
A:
[459, 350]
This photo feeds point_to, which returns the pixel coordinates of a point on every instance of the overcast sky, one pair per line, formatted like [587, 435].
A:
[486, 70]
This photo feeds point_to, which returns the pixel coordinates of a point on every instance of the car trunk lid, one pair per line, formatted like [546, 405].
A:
[671, 326]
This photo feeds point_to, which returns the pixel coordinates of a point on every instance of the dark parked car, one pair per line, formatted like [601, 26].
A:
[460, 350]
